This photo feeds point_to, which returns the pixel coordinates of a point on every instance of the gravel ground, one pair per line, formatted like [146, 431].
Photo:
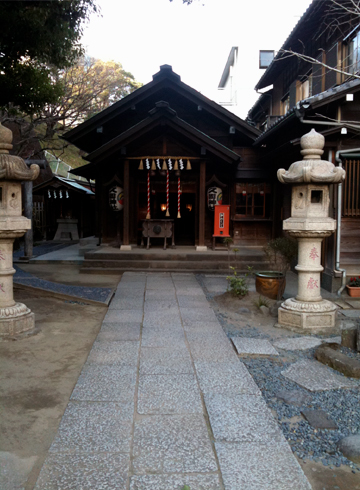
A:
[342, 406]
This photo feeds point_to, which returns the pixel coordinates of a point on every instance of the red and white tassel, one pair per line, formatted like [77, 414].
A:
[167, 194]
[179, 192]
[148, 196]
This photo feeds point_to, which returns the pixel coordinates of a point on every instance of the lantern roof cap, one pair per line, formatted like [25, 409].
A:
[311, 168]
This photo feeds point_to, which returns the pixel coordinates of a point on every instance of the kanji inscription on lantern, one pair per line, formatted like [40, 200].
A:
[313, 254]
[312, 284]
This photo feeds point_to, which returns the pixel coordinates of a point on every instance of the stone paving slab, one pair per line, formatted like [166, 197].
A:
[129, 293]
[175, 482]
[254, 346]
[169, 394]
[165, 361]
[159, 284]
[84, 471]
[130, 285]
[230, 378]
[163, 337]
[159, 294]
[203, 326]
[195, 335]
[172, 444]
[161, 307]
[351, 313]
[242, 418]
[105, 383]
[212, 351]
[125, 316]
[297, 343]
[121, 331]
[94, 427]
[354, 303]
[193, 302]
[134, 303]
[254, 466]
[116, 353]
[189, 291]
[314, 376]
[197, 314]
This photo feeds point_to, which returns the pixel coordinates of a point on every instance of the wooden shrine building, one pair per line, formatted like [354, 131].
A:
[162, 153]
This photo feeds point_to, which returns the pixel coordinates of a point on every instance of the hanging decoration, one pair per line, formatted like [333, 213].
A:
[167, 193]
[116, 198]
[153, 165]
[181, 164]
[170, 164]
[148, 196]
[147, 163]
[179, 192]
[158, 163]
[164, 166]
[188, 165]
[176, 166]
[141, 166]
[214, 197]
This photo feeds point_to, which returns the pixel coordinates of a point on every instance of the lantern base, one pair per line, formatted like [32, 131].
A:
[125, 247]
[16, 320]
[309, 317]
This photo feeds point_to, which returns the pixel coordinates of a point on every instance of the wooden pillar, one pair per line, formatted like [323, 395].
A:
[126, 229]
[202, 197]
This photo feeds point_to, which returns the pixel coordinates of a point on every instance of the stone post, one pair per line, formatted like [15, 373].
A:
[15, 317]
[309, 224]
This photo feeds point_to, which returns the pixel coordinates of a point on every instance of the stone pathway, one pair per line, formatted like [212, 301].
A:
[163, 401]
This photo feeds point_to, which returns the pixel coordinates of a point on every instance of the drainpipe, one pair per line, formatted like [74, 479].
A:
[338, 220]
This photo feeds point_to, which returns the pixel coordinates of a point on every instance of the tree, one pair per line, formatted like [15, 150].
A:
[86, 88]
[34, 37]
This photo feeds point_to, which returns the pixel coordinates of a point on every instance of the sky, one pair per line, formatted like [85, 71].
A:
[194, 39]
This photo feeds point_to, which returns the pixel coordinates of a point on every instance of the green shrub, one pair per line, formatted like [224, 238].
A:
[238, 286]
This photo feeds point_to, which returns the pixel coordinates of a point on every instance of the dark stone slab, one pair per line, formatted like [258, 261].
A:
[350, 447]
[294, 397]
[358, 339]
[349, 336]
[319, 419]
[336, 360]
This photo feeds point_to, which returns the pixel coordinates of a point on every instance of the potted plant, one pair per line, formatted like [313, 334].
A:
[280, 252]
[353, 287]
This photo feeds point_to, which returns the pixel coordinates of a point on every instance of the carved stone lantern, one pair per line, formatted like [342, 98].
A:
[14, 317]
[309, 224]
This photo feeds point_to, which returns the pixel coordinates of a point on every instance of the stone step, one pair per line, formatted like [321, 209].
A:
[167, 265]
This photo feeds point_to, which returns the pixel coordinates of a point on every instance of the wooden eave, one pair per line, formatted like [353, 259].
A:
[165, 78]
[60, 183]
[160, 115]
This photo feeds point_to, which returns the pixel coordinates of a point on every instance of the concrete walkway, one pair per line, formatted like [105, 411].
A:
[163, 401]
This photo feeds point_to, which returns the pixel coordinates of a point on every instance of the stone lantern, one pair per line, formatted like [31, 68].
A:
[309, 224]
[14, 317]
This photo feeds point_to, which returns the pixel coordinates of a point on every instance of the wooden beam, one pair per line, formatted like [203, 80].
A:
[202, 198]
[126, 222]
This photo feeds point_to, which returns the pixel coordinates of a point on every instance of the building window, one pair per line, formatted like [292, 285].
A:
[352, 55]
[253, 200]
[303, 89]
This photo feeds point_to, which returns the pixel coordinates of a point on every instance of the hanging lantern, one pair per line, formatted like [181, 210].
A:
[214, 197]
[116, 198]
[141, 166]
